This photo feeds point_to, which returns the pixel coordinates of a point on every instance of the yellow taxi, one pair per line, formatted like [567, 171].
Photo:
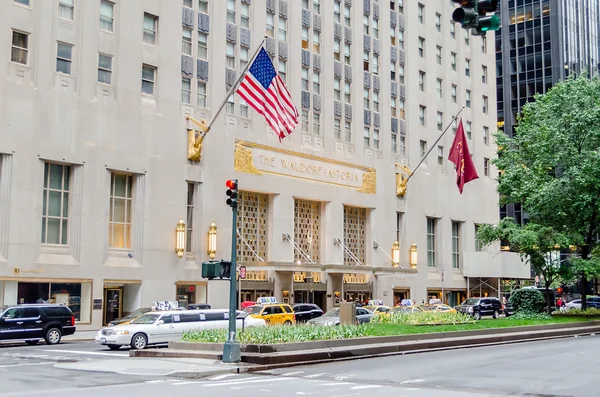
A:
[438, 308]
[378, 310]
[273, 313]
[406, 309]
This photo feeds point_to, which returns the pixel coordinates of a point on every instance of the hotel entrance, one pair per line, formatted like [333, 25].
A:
[113, 304]
[120, 298]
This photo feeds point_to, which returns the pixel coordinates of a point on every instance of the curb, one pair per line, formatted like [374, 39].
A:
[199, 375]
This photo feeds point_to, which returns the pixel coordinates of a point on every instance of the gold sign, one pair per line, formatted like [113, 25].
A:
[258, 159]
[17, 270]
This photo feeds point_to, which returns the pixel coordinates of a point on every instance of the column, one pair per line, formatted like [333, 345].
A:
[5, 186]
[75, 210]
[281, 220]
[138, 217]
[332, 227]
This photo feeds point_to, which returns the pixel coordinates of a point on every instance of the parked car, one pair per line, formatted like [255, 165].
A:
[378, 310]
[509, 309]
[591, 302]
[306, 311]
[33, 322]
[160, 327]
[332, 317]
[273, 313]
[130, 317]
[478, 307]
[441, 307]
[406, 309]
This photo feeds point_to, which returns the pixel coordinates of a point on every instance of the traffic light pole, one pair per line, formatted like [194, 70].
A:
[231, 348]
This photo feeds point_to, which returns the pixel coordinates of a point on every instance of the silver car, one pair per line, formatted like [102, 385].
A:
[332, 317]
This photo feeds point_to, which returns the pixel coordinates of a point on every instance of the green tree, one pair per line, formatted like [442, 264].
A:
[535, 243]
[552, 165]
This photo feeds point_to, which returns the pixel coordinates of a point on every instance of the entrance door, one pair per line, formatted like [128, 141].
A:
[319, 299]
[113, 304]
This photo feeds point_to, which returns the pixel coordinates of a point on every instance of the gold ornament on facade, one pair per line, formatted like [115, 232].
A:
[402, 179]
[242, 159]
[369, 183]
[195, 143]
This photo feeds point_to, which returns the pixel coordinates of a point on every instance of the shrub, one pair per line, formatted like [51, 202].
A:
[579, 312]
[423, 318]
[528, 300]
[524, 315]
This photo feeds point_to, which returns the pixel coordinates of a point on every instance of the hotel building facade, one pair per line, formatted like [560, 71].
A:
[95, 150]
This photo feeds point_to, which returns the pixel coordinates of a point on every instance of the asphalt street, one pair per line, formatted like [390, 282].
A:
[526, 369]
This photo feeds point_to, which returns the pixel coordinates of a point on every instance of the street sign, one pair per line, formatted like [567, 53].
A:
[242, 272]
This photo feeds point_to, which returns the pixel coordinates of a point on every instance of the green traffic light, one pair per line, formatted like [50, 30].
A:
[489, 23]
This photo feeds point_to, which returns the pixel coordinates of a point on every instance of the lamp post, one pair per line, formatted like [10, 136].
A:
[412, 255]
[180, 238]
[396, 254]
[212, 240]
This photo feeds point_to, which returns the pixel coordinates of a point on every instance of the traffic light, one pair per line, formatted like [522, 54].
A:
[473, 14]
[487, 22]
[466, 15]
[216, 269]
[232, 193]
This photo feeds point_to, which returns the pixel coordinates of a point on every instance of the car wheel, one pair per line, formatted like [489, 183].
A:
[32, 342]
[114, 347]
[139, 341]
[287, 322]
[496, 314]
[53, 336]
[477, 316]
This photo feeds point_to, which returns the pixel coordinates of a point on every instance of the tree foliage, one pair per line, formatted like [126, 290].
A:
[528, 300]
[552, 165]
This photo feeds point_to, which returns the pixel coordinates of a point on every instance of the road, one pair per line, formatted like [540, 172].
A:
[525, 369]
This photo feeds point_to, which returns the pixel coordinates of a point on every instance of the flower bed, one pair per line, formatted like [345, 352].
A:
[424, 318]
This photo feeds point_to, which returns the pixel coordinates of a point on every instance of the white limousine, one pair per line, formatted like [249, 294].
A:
[161, 327]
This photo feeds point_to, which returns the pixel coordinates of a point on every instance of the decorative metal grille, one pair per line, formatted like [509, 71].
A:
[355, 221]
[299, 277]
[353, 278]
[307, 228]
[252, 222]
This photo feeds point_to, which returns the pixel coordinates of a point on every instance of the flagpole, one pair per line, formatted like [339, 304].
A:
[435, 143]
[236, 84]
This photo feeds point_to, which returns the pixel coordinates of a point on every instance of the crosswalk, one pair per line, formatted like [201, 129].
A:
[51, 356]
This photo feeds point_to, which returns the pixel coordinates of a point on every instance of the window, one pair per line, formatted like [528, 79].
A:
[305, 120]
[485, 105]
[336, 49]
[420, 12]
[186, 90]
[453, 60]
[440, 150]
[202, 46]
[421, 80]
[486, 167]
[347, 95]
[316, 42]
[282, 70]
[467, 67]
[466, 37]
[393, 35]
[65, 9]
[438, 88]
[438, 22]
[282, 29]
[55, 211]
[468, 127]
[230, 105]
[243, 57]
[317, 6]
[347, 58]
[106, 15]
[455, 245]
[270, 24]
[316, 127]
[336, 12]
[366, 61]
[203, 6]
[245, 15]
[337, 89]
[337, 129]
[484, 74]
[366, 98]
[375, 68]
[440, 121]
[468, 99]
[148, 79]
[392, 71]
[376, 139]
[453, 92]
[402, 114]
[422, 113]
[188, 3]
[401, 74]
[201, 100]
[422, 148]
[24, 2]
[231, 11]
[401, 39]
[452, 31]
[243, 108]
[394, 136]
[347, 16]
[186, 42]
[189, 226]
[64, 58]
[431, 224]
[20, 48]
[454, 125]
[231, 56]
[421, 47]
[375, 100]
[402, 146]
[150, 23]
[486, 135]
[375, 26]
[438, 54]
[478, 244]
[367, 136]
[393, 106]
[121, 210]
[304, 38]
[104, 69]
[365, 24]
[348, 131]
[305, 79]
[484, 44]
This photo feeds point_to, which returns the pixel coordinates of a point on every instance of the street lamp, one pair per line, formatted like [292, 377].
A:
[412, 255]
[180, 238]
[396, 254]
[212, 240]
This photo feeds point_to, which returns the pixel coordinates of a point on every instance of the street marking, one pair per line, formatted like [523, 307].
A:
[338, 384]
[316, 375]
[89, 353]
[184, 383]
[364, 387]
[244, 382]
[412, 381]
[23, 364]
[293, 373]
[219, 377]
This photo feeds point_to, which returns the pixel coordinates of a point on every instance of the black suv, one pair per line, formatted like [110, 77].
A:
[36, 321]
[478, 307]
[306, 311]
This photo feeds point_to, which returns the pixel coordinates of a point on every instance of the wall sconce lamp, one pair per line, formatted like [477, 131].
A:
[412, 255]
[212, 240]
[396, 253]
[180, 238]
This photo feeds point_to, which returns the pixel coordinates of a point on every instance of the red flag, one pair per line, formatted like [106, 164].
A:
[460, 156]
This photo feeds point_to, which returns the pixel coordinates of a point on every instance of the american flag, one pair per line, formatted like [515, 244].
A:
[263, 89]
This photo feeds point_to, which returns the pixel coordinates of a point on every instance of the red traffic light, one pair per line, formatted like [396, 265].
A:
[231, 184]
[559, 290]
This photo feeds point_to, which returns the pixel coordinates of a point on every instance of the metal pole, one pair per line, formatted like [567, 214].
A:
[231, 348]
[443, 286]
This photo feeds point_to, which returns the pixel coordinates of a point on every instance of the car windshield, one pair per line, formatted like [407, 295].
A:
[253, 309]
[146, 319]
[332, 313]
[138, 313]
[471, 301]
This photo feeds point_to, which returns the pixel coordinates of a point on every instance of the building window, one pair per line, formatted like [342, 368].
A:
[316, 42]
[467, 67]
[394, 142]
[376, 101]
[245, 16]
[148, 79]
[203, 6]
[336, 12]
[230, 105]
[201, 100]
[453, 60]
[65, 9]
[305, 120]
[452, 31]
[243, 57]
[440, 121]
[202, 45]
[402, 146]
[421, 80]
[106, 15]
[375, 64]
[484, 74]
[252, 225]
[456, 245]
[64, 58]
[468, 126]
[453, 92]
[367, 136]
[421, 47]
[243, 108]
[55, 211]
[24, 2]
[307, 226]
[438, 22]
[468, 99]
[20, 48]
[188, 3]
[231, 56]
[486, 135]
[485, 104]
[189, 226]
[347, 95]
[347, 19]
[393, 71]
[467, 37]
[422, 148]
[421, 12]
[401, 40]
[438, 54]
[186, 42]
[337, 89]
[150, 23]
[186, 90]
[438, 88]
[231, 11]
[366, 100]
[401, 74]
[484, 44]
[270, 24]
[121, 210]
[347, 56]
[393, 106]
[355, 225]
[402, 111]
[337, 49]
[376, 139]
[104, 69]
[282, 70]
[440, 159]
[375, 26]
[282, 29]
[365, 24]
[304, 75]
[431, 224]
[486, 167]
[316, 127]
[422, 114]
[454, 125]
[316, 82]
[337, 129]
[348, 131]
[478, 244]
